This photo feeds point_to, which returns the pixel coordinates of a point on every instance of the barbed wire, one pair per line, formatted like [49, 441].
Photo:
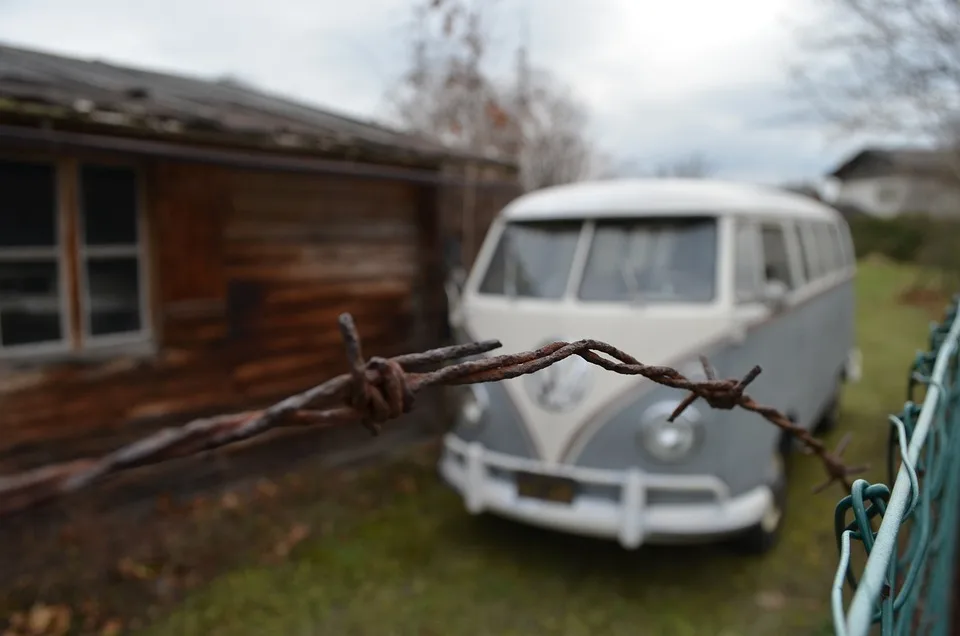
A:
[381, 389]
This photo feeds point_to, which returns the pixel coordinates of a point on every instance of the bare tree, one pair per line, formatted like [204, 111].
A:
[451, 96]
[884, 66]
[892, 67]
[693, 166]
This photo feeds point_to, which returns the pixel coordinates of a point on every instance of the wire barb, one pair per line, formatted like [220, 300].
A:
[381, 389]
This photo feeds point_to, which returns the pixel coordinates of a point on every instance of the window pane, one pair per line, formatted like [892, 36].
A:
[109, 205]
[826, 247]
[776, 259]
[114, 295]
[746, 264]
[804, 256]
[532, 260]
[29, 303]
[28, 207]
[810, 253]
[652, 260]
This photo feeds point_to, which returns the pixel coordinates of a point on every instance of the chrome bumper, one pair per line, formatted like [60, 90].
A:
[631, 520]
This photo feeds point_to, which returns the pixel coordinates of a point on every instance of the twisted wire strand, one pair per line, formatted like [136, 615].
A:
[381, 389]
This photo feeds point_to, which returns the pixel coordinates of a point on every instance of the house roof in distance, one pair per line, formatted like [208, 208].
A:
[881, 161]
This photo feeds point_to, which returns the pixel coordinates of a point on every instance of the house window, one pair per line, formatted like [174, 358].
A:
[110, 251]
[31, 284]
[887, 193]
[40, 270]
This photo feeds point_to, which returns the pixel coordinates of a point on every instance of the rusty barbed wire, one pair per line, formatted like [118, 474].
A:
[381, 389]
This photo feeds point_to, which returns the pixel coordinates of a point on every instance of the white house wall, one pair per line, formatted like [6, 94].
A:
[904, 194]
[867, 194]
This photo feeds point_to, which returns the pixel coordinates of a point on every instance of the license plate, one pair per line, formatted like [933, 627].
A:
[546, 487]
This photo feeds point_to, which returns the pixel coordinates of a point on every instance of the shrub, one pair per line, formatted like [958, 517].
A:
[899, 238]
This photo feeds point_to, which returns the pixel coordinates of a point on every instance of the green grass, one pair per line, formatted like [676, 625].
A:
[411, 561]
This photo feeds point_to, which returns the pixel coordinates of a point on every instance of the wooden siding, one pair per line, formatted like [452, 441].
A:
[250, 271]
[467, 215]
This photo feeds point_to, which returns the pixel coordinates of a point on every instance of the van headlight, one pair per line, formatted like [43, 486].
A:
[670, 441]
[473, 404]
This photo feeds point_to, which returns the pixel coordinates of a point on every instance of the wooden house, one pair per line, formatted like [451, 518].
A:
[173, 247]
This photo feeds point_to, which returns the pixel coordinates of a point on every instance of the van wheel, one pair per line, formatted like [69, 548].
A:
[831, 416]
[763, 536]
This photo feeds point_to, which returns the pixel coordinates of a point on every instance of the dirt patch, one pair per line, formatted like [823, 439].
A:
[933, 301]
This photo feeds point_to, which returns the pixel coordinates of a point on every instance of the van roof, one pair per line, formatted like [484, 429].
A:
[639, 197]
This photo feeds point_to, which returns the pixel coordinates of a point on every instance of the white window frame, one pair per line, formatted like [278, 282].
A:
[136, 250]
[69, 222]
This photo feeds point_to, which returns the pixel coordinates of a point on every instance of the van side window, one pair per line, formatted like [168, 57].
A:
[836, 241]
[776, 258]
[793, 234]
[811, 254]
[827, 248]
[843, 237]
[746, 259]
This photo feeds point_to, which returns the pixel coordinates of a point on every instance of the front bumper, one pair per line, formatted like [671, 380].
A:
[483, 479]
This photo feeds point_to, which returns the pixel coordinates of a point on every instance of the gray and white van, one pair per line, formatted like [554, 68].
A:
[666, 270]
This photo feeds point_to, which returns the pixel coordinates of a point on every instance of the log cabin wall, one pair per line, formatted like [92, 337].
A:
[245, 275]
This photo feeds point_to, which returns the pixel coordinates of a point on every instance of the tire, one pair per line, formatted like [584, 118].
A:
[831, 415]
[763, 536]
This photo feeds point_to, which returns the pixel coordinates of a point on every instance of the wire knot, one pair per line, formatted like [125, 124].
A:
[719, 394]
[379, 391]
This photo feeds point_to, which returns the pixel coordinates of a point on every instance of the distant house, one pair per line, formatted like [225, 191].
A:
[887, 183]
[173, 247]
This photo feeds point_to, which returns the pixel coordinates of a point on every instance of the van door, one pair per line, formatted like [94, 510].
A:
[762, 258]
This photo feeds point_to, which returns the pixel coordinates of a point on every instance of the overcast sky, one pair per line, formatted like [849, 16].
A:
[662, 78]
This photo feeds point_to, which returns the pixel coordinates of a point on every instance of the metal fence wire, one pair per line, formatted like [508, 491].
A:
[907, 582]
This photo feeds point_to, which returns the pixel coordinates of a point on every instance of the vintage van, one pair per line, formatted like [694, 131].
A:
[667, 270]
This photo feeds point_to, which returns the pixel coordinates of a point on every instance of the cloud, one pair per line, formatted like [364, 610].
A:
[661, 79]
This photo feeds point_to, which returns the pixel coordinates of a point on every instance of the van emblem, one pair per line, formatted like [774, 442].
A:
[561, 386]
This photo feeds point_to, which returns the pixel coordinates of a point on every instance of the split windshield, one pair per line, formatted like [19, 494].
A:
[643, 259]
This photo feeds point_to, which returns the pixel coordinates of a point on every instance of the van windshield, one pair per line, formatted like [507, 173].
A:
[532, 259]
[652, 260]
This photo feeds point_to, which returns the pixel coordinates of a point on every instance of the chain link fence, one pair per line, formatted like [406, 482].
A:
[906, 586]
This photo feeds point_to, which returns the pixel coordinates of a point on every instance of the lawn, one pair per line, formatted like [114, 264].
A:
[392, 551]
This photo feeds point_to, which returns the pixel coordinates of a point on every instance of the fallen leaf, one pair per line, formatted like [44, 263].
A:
[198, 503]
[407, 485]
[111, 628]
[39, 618]
[130, 569]
[298, 532]
[267, 488]
[771, 600]
[61, 621]
[230, 501]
